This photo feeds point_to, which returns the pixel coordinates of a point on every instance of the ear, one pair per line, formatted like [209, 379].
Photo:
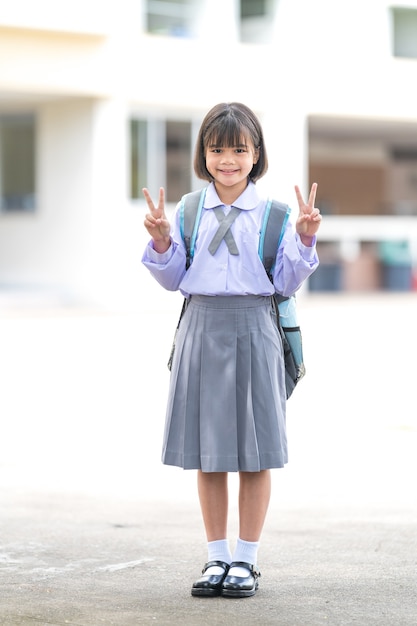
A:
[256, 156]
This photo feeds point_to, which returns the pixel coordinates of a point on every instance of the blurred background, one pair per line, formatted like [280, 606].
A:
[97, 100]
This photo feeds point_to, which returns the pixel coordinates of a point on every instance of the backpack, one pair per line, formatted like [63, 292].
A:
[284, 308]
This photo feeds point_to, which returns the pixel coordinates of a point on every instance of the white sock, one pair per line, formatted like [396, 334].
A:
[246, 551]
[218, 551]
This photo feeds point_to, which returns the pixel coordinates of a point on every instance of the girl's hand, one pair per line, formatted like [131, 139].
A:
[309, 217]
[156, 222]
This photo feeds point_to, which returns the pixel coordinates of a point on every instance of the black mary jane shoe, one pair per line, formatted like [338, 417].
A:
[241, 586]
[211, 584]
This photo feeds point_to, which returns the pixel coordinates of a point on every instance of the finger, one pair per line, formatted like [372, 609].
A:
[151, 219]
[161, 198]
[148, 199]
[300, 199]
[312, 196]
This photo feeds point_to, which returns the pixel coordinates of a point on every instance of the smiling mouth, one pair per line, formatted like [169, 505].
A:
[228, 171]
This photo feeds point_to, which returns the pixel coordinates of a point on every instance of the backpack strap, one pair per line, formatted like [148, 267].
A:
[190, 215]
[273, 227]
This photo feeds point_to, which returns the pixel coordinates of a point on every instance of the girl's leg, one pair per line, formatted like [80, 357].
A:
[213, 493]
[254, 496]
[214, 500]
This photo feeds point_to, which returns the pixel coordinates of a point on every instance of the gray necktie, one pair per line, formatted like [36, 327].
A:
[223, 231]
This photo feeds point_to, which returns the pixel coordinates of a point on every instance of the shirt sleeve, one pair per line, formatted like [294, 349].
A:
[295, 262]
[167, 268]
[225, 274]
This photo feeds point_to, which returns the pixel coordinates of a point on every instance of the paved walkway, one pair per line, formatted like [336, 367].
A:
[93, 530]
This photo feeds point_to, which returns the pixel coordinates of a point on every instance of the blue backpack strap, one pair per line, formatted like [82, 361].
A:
[273, 228]
[191, 209]
[272, 231]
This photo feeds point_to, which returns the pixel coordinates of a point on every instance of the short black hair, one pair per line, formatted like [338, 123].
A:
[225, 125]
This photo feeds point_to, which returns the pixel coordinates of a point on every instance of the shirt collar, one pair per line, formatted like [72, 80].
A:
[247, 200]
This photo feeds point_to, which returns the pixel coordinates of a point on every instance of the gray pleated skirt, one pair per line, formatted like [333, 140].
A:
[227, 400]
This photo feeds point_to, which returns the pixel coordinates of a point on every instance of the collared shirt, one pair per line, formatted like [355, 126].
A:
[224, 274]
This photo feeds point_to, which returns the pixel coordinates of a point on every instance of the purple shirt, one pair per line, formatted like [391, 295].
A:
[228, 275]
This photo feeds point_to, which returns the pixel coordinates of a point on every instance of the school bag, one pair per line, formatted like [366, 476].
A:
[274, 221]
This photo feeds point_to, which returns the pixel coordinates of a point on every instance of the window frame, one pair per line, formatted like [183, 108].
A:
[152, 172]
[403, 32]
[178, 16]
[18, 163]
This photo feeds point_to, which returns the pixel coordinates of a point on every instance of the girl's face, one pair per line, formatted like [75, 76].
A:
[230, 166]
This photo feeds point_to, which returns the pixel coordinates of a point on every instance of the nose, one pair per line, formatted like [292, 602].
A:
[227, 156]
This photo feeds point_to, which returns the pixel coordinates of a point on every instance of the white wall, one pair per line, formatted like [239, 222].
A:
[326, 57]
[80, 16]
[50, 248]
[116, 222]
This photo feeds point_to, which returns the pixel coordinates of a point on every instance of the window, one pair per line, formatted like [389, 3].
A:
[17, 163]
[138, 154]
[170, 17]
[256, 20]
[178, 159]
[252, 8]
[161, 155]
[402, 180]
[404, 23]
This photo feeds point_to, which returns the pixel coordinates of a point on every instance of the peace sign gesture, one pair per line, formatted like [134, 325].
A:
[309, 218]
[156, 222]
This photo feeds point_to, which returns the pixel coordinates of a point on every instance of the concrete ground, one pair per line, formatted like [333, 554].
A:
[94, 530]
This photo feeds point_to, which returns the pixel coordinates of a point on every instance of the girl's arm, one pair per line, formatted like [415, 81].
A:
[309, 218]
[156, 222]
[163, 256]
[297, 257]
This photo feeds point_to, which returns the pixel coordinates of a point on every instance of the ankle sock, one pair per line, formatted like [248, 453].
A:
[218, 551]
[246, 551]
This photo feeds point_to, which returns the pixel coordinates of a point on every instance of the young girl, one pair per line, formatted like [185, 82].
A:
[227, 398]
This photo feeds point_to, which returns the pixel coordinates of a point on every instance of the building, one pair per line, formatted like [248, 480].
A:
[98, 99]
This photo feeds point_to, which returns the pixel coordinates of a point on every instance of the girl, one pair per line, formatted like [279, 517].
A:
[227, 399]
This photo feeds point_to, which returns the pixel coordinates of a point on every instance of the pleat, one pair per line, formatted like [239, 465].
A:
[226, 402]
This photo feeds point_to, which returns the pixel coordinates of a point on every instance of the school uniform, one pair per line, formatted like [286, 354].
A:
[227, 400]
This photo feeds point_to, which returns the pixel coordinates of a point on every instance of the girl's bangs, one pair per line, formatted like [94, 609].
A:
[227, 132]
